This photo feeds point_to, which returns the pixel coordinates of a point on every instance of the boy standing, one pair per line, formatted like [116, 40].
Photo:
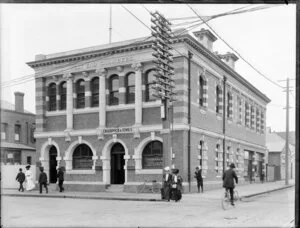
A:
[21, 178]
[43, 180]
[198, 176]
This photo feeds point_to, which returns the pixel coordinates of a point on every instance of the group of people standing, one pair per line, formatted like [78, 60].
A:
[27, 177]
[171, 185]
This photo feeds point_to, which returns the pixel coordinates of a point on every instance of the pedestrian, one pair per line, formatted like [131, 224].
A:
[29, 179]
[262, 177]
[60, 179]
[198, 176]
[228, 181]
[21, 178]
[166, 184]
[176, 186]
[43, 180]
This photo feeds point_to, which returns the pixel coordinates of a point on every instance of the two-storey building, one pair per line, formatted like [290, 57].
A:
[97, 116]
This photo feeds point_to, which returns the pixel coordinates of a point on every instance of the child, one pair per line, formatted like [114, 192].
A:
[43, 180]
[21, 178]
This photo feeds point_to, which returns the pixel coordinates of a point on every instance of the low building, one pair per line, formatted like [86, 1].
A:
[97, 116]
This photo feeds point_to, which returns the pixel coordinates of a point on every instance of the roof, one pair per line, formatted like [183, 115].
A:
[292, 136]
[5, 105]
[15, 146]
[275, 143]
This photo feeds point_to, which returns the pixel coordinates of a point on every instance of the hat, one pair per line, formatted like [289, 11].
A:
[41, 168]
[175, 171]
[167, 168]
[232, 165]
[27, 166]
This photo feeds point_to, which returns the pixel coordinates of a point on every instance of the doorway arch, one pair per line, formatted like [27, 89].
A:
[52, 164]
[117, 163]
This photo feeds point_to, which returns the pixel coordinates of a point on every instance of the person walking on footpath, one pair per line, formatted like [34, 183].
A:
[166, 184]
[176, 186]
[228, 181]
[262, 177]
[43, 180]
[198, 176]
[21, 178]
[60, 179]
[29, 179]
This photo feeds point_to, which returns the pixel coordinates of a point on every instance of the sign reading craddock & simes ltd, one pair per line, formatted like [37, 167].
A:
[117, 130]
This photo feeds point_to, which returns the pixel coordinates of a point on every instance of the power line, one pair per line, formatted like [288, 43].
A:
[234, 49]
[136, 17]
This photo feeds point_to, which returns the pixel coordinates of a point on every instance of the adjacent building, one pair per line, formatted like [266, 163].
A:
[96, 115]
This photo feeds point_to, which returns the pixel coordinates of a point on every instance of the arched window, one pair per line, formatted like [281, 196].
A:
[239, 101]
[252, 117]
[149, 82]
[130, 88]
[201, 144]
[80, 89]
[114, 90]
[95, 91]
[52, 97]
[247, 114]
[201, 91]
[218, 100]
[63, 96]
[152, 157]
[229, 105]
[82, 157]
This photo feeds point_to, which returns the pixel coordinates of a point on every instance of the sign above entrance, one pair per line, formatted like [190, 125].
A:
[117, 130]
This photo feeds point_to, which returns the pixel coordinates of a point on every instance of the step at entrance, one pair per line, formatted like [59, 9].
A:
[52, 187]
[115, 188]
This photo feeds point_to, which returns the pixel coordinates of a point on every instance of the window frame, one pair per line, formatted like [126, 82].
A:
[112, 92]
[95, 92]
[148, 85]
[218, 94]
[4, 128]
[52, 92]
[19, 127]
[129, 100]
[151, 155]
[80, 94]
[63, 96]
[201, 91]
[82, 157]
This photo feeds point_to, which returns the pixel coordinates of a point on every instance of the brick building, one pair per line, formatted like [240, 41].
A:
[17, 127]
[97, 117]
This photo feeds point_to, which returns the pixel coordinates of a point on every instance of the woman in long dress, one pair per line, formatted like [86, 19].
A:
[29, 179]
[176, 186]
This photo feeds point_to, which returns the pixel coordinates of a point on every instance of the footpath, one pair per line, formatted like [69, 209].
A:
[245, 191]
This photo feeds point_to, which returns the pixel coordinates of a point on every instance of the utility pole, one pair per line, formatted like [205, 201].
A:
[110, 22]
[164, 82]
[224, 124]
[287, 134]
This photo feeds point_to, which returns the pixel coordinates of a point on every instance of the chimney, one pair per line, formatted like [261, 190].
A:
[40, 57]
[19, 102]
[206, 38]
[230, 59]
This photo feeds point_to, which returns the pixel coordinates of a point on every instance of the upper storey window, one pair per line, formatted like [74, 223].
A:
[114, 90]
[80, 98]
[130, 88]
[218, 99]
[247, 114]
[95, 91]
[229, 105]
[149, 82]
[52, 97]
[63, 96]
[201, 91]
[239, 101]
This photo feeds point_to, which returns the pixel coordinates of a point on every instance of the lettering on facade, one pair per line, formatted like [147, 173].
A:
[117, 130]
[103, 63]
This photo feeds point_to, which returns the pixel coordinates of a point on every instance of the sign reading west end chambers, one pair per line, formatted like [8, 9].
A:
[117, 130]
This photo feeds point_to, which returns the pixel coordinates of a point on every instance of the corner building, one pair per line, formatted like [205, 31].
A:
[96, 116]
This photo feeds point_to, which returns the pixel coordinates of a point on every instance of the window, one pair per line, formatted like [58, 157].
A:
[239, 100]
[63, 96]
[28, 160]
[252, 117]
[82, 157]
[218, 159]
[229, 105]
[80, 99]
[201, 152]
[257, 120]
[218, 99]
[130, 88]
[95, 92]
[247, 113]
[32, 129]
[149, 82]
[17, 132]
[52, 97]
[12, 157]
[3, 131]
[201, 91]
[114, 90]
[262, 120]
[152, 157]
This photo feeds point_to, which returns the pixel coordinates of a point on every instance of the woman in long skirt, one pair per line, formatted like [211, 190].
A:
[176, 186]
[29, 179]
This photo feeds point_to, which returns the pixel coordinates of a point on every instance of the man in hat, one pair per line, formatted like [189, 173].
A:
[21, 178]
[166, 184]
[228, 181]
[43, 180]
[60, 179]
[198, 176]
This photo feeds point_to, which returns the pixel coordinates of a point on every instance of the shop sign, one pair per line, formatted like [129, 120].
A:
[117, 130]
[10, 155]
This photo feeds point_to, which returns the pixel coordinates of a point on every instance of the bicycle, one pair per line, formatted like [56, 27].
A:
[148, 188]
[226, 202]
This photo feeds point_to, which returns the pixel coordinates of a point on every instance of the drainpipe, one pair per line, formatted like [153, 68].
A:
[190, 55]
[224, 121]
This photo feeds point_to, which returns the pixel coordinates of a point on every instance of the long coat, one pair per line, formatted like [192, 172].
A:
[166, 186]
[228, 178]
[20, 177]
[60, 175]
[198, 176]
[43, 178]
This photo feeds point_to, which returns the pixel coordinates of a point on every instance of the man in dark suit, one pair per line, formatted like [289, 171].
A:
[198, 176]
[21, 178]
[228, 181]
[60, 178]
[166, 184]
[43, 180]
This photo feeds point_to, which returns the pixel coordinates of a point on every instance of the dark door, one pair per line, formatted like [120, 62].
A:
[250, 167]
[52, 164]
[117, 174]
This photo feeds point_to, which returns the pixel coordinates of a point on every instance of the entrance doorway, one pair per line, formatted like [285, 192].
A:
[52, 164]
[117, 161]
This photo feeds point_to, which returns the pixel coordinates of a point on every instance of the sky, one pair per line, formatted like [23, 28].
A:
[265, 38]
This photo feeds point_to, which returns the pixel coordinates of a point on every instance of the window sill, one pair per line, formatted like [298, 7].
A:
[79, 171]
[56, 113]
[148, 171]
